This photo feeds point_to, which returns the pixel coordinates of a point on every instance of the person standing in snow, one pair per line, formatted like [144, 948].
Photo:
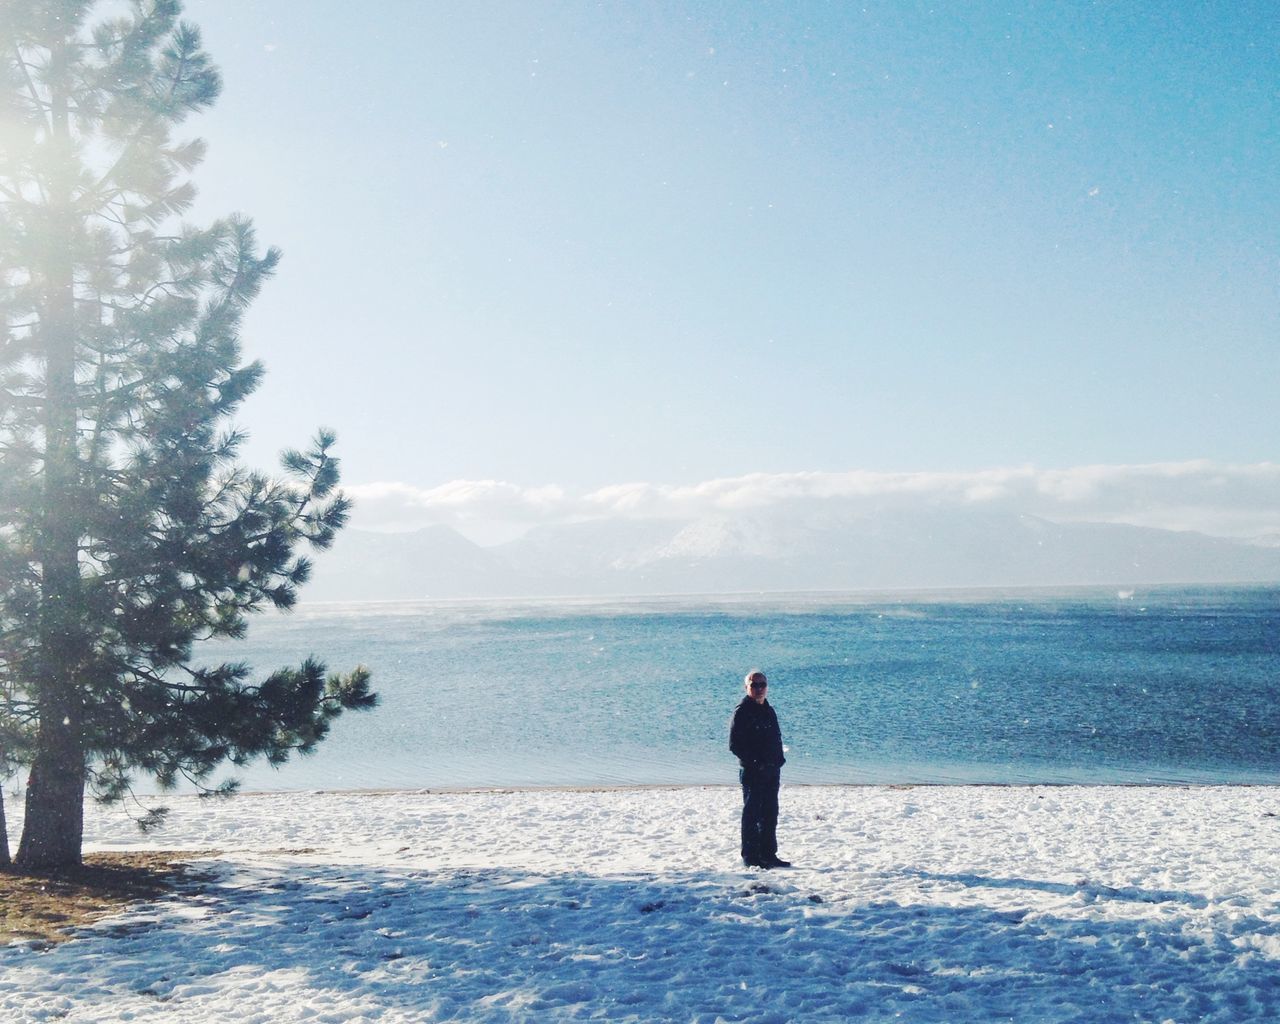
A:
[756, 740]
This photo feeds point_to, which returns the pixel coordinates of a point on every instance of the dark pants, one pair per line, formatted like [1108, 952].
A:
[759, 814]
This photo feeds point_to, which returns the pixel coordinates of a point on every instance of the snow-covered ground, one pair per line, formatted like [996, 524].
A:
[926, 904]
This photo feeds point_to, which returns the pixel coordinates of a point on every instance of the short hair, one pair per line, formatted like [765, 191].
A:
[752, 674]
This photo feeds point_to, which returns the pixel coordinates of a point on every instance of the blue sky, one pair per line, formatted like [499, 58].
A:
[568, 246]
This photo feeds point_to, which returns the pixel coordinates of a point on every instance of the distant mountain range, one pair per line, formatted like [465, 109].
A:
[730, 554]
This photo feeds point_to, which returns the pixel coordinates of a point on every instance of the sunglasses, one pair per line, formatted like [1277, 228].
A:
[758, 685]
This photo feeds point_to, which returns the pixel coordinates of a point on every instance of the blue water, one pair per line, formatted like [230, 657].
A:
[1084, 685]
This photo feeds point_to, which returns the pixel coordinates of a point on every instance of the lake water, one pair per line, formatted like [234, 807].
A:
[1082, 685]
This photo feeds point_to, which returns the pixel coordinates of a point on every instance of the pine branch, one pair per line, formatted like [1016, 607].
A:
[34, 93]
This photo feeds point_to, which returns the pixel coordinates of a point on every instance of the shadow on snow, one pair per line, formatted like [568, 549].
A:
[501, 945]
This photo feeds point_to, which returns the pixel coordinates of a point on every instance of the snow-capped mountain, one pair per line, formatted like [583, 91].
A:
[884, 550]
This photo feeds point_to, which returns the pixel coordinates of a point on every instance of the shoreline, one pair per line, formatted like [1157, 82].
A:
[641, 787]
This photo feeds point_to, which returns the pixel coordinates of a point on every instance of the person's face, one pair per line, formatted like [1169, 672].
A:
[757, 687]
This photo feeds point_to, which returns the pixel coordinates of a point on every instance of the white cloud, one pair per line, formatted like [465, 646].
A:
[482, 503]
[1217, 498]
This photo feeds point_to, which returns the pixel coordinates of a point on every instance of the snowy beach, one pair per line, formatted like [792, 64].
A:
[917, 904]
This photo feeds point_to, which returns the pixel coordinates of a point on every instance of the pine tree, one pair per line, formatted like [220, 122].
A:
[129, 532]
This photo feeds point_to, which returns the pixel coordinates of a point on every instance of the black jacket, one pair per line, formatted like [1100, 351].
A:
[754, 736]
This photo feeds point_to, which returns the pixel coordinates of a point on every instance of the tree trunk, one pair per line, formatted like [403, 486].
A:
[54, 827]
[4, 833]
[54, 824]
